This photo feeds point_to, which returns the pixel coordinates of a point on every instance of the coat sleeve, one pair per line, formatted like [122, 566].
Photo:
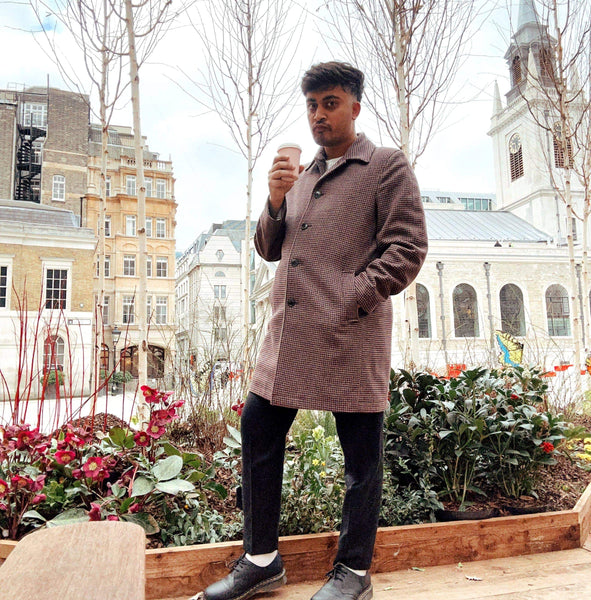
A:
[401, 234]
[270, 233]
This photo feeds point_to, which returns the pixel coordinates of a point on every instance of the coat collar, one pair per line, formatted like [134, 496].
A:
[361, 149]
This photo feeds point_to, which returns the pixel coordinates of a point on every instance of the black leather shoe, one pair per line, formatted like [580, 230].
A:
[343, 584]
[245, 580]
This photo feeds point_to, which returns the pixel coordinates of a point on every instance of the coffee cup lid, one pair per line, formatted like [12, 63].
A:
[289, 146]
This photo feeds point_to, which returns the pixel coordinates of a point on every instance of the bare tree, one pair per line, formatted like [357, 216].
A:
[249, 46]
[555, 82]
[412, 51]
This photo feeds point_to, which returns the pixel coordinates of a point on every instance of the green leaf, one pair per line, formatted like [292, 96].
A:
[220, 490]
[143, 520]
[73, 515]
[176, 486]
[126, 504]
[234, 433]
[232, 442]
[117, 435]
[141, 487]
[168, 468]
[171, 450]
[33, 514]
[196, 476]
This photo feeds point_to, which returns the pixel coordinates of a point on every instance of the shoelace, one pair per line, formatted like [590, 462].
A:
[337, 573]
[238, 563]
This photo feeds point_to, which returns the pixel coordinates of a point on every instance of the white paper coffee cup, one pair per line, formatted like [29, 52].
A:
[293, 152]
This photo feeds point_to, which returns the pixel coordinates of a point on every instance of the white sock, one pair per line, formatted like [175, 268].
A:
[262, 560]
[356, 571]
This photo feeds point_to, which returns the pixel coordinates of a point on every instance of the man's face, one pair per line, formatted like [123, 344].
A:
[331, 114]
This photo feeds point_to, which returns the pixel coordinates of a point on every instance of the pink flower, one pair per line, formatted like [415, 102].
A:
[18, 481]
[150, 394]
[95, 512]
[94, 469]
[3, 506]
[134, 508]
[112, 518]
[155, 430]
[26, 438]
[3, 488]
[38, 499]
[141, 438]
[77, 473]
[42, 448]
[64, 457]
[37, 484]
[547, 447]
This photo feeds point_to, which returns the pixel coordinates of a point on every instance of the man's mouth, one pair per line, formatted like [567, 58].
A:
[320, 128]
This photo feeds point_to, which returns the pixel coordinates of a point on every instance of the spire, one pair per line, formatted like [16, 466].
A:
[527, 13]
[497, 105]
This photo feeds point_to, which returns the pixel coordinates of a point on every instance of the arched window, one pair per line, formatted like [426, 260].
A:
[512, 313]
[557, 311]
[53, 353]
[219, 274]
[559, 147]
[129, 361]
[516, 70]
[515, 157]
[105, 358]
[465, 311]
[423, 311]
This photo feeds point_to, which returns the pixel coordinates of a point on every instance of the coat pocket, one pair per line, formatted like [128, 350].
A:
[349, 298]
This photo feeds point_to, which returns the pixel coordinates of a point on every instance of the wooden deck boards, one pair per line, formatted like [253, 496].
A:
[562, 575]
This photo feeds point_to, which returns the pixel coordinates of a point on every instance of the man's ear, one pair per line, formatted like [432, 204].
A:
[356, 109]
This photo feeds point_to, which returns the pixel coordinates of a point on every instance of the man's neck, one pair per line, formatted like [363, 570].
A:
[338, 151]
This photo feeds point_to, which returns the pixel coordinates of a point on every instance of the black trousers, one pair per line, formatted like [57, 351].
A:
[264, 429]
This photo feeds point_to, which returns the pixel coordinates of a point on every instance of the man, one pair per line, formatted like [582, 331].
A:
[349, 232]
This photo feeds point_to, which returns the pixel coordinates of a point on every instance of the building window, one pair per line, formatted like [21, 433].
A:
[130, 185]
[423, 311]
[219, 314]
[106, 305]
[160, 228]
[516, 73]
[34, 114]
[512, 311]
[58, 189]
[148, 183]
[160, 188]
[107, 266]
[546, 65]
[219, 274]
[3, 285]
[465, 308]
[161, 310]
[128, 310]
[559, 147]
[129, 265]
[161, 266]
[557, 311]
[130, 225]
[220, 254]
[53, 354]
[108, 226]
[476, 203]
[56, 288]
[515, 157]
[148, 266]
[573, 229]
[148, 227]
[220, 334]
[148, 309]
[37, 152]
[108, 187]
[219, 291]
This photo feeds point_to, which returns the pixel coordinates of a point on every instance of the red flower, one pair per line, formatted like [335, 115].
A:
[155, 430]
[141, 438]
[547, 447]
[150, 394]
[95, 512]
[37, 484]
[112, 518]
[77, 473]
[64, 457]
[3, 488]
[93, 468]
[26, 438]
[238, 408]
[38, 499]
[134, 508]
[514, 397]
[18, 481]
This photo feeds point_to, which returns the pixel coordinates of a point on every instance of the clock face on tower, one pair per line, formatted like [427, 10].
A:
[514, 144]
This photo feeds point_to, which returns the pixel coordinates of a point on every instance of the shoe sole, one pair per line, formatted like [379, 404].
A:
[367, 594]
[267, 585]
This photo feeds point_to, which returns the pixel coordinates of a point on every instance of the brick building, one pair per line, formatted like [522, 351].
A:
[46, 297]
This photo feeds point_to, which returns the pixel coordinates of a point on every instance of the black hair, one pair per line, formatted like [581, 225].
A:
[331, 74]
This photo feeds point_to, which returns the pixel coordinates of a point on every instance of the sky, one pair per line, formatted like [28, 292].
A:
[210, 172]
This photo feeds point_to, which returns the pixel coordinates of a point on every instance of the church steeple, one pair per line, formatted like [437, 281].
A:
[531, 51]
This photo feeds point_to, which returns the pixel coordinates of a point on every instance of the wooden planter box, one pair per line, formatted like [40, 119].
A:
[182, 571]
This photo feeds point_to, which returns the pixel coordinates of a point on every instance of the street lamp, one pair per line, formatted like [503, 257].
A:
[115, 335]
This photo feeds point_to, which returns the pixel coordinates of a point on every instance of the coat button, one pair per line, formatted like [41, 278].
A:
[295, 262]
[305, 226]
[291, 302]
[317, 194]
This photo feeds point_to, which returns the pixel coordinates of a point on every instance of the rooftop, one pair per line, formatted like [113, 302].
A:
[18, 211]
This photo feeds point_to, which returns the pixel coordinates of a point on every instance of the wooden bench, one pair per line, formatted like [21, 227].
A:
[102, 560]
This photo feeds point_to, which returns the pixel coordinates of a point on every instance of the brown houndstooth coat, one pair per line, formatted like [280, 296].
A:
[346, 239]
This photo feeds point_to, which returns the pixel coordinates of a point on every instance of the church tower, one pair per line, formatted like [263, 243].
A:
[525, 130]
